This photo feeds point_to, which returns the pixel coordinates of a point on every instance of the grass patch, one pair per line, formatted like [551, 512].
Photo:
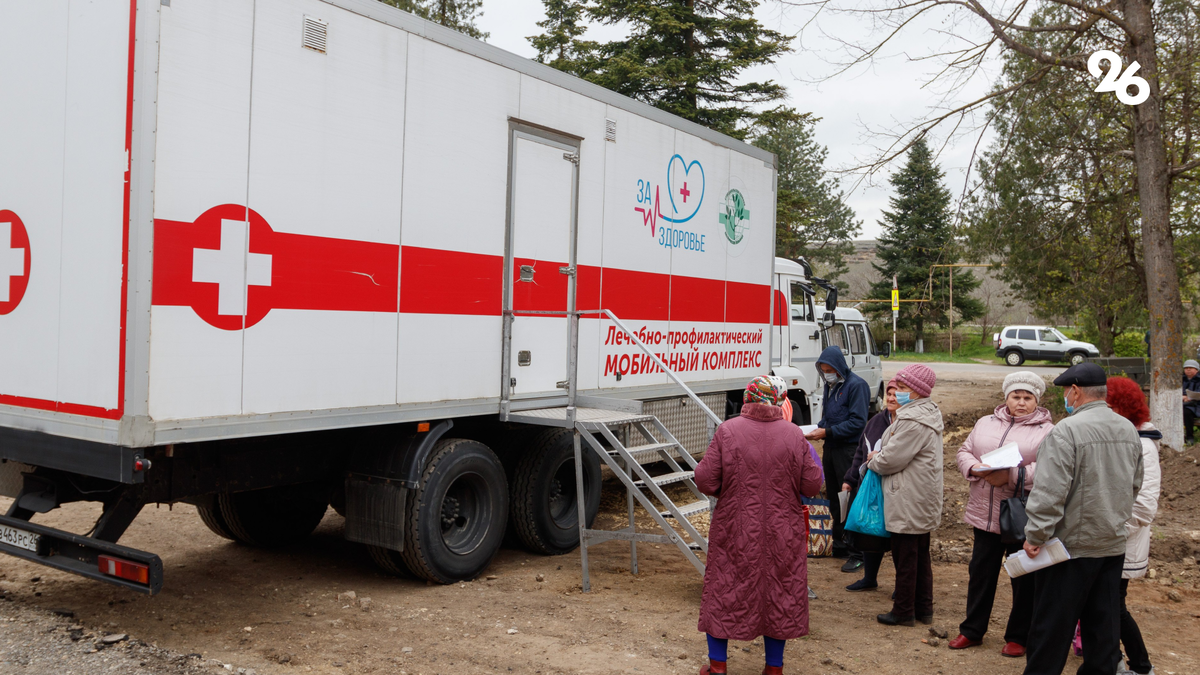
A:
[942, 357]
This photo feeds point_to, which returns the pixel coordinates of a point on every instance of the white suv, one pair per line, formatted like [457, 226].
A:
[1015, 344]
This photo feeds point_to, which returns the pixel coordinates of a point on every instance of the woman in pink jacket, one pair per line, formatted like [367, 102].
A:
[756, 580]
[1022, 421]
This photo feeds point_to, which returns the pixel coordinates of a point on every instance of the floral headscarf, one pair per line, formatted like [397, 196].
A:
[762, 390]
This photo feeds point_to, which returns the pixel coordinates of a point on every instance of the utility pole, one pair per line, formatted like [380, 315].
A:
[951, 311]
[895, 310]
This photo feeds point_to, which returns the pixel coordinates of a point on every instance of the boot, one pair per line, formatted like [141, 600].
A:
[772, 670]
[713, 668]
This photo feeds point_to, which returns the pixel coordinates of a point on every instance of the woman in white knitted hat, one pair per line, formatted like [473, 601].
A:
[1021, 420]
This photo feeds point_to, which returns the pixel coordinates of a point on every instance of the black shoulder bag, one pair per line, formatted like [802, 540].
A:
[1012, 513]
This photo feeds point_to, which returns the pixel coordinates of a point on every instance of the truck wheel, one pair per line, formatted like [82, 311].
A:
[456, 518]
[390, 561]
[276, 515]
[1076, 358]
[545, 504]
[215, 521]
[1014, 358]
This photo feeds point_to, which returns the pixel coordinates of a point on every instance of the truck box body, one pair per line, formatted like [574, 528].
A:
[223, 219]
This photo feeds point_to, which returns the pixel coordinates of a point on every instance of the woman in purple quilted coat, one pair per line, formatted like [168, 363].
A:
[756, 581]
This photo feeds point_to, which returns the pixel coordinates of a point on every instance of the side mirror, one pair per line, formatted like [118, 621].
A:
[827, 320]
[831, 300]
[887, 349]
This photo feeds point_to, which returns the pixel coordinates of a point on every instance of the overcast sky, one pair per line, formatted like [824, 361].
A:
[886, 95]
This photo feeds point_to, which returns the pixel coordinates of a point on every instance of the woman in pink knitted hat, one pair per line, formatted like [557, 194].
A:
[910, 463]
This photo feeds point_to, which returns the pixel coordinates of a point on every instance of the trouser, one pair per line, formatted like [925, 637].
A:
[718, 650]
[914, 575]
[1131, 637]
[837, 458]
[986, 559]
[871, 564]
[1189, 421]
[1083, 590]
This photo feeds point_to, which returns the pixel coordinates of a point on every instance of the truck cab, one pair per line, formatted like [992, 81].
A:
[807, 320]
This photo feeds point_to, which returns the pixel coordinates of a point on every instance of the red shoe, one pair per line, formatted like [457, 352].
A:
[1013, 649]
[772, 670]
[962, 642]
[713, 668]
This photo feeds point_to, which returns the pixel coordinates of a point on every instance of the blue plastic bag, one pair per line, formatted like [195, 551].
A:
[866, 513]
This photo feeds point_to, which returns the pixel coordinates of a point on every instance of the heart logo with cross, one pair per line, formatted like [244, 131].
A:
[685, 188]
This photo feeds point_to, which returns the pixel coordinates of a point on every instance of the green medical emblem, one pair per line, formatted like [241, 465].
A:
[735, 216]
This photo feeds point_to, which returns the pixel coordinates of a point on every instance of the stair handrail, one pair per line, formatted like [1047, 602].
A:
[712, 415]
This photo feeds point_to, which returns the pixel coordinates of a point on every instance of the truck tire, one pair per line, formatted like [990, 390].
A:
[1014, 358]
[390, 561]
[215, 521]
[545, 505]
[274, 516]
[456, 518]
[1076, 358]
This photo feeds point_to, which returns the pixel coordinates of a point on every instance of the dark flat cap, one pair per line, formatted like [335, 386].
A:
[1083, 375]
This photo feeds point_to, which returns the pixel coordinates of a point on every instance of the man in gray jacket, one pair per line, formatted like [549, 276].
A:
[1089, 472]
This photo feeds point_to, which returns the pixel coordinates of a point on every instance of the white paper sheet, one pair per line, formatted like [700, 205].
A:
[1194, 395]
[878, 446]
[807, 429]
[1052, 553]
[844, 501]
[1007, 456]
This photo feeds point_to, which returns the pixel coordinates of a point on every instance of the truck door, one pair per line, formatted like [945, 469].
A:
[780, 329]
[540, 262]
[866, 364]
[806, 334]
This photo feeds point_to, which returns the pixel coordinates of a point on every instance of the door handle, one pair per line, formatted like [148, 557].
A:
[815, 336]
[795, 347]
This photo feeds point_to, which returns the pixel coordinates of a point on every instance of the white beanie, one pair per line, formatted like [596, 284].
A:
[1191, 363]
[1024, 380]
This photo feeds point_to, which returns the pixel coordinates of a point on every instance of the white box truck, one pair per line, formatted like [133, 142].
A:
[265, 257]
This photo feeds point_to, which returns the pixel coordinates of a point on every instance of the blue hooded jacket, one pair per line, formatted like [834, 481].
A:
[844, 415]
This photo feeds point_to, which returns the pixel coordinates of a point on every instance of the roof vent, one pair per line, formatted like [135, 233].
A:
[315, 33]
[610, 130]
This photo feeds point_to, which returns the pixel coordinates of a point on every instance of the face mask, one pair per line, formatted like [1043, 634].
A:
[903, 397]
[831, 378]
[1066, 404]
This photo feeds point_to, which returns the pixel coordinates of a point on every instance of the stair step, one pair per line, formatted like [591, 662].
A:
[667, 478]
[689, 509]
[649, 452]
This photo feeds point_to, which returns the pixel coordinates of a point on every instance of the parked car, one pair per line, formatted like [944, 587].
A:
[1016, 344]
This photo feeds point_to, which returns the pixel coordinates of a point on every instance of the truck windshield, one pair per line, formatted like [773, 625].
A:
[1061, 337]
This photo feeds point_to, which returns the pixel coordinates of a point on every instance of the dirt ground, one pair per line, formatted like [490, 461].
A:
[290, 611]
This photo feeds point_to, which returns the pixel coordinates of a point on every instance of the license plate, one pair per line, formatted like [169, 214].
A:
[19, 538]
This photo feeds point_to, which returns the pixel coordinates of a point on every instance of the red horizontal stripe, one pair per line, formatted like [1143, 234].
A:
[747, 303]
[434, 281]
[70, 408]
[329, 274]
[636, 296]
[697, 299]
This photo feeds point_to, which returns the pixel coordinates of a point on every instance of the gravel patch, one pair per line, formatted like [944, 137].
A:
[34, 641]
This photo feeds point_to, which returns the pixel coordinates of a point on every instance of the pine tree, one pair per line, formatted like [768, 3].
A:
[560, 45]
[459, 15]
[681, 55]
[917, 234]
[812, 218]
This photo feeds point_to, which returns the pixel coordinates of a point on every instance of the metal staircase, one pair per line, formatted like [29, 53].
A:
[608, 433]
[646, 441]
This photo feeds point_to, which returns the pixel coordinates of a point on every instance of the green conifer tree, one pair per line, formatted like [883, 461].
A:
[812, 218]
[561, 45]
[917, 234]
[682, 56]
[459, 15]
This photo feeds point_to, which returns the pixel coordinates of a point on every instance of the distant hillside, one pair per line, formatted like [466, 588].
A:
[1004, 305]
